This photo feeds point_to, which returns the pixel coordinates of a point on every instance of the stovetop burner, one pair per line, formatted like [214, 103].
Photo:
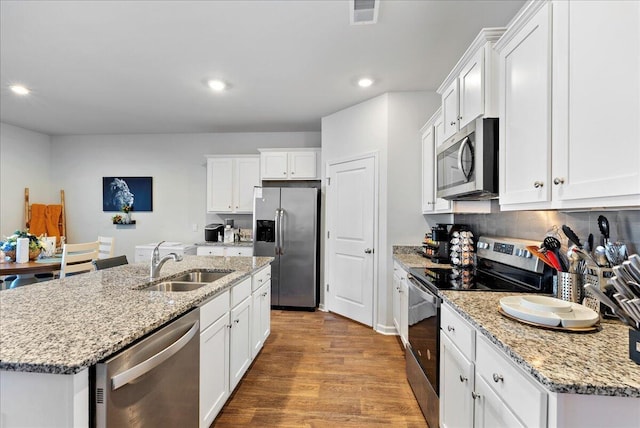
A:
[503, 264]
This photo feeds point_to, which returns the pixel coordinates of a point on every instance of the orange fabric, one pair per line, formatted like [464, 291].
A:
[38, 225]
[52, 218]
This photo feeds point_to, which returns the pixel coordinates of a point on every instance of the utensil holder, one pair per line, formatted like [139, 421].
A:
[570, 287]
[597, 277]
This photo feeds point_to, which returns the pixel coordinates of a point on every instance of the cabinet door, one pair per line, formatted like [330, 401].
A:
[489, 410]
[525, 114]
[302, 165]
[246, 177]
[214, 369]
[240, 341]
[261, 318]
[472, 89]
[428, 171]
[438, 131]
[596, 127]
[450, 109]
[273, 165]
[220, 184]
[404, 311]
[396, 299]
[456, 386]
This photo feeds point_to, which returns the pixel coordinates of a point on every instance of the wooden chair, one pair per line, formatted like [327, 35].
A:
[110, 262]
[106, 247]
[78, 258]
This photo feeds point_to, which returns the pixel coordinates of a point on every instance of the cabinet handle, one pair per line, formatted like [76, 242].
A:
[558, 181]
[236, 321]
[475, 395]
[452, 123]
[293, 172]
[236, 207]
[229, 325]
[229, 206]
[497, 378]
[284, 173]
[538, 184]
[450, 328]
[459, 117]
[264, 294]
[463, 379]
[260, 280]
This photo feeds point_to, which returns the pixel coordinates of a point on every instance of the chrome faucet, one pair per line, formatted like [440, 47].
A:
[157, 262]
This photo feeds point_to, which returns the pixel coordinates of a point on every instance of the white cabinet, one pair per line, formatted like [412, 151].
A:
[299, 164]
[261, 317]
[456, 386]
[144, 252]
[525, 111]
[230, 183]
[469, 91]
[214, 357]
[240, 332]
[568, 111]
[481, 387]
[226, 251]
[431, 204]
[400, 300]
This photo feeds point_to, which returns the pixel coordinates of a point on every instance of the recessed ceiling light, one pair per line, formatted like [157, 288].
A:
[365, 82]
[19, 89]
[217, 85]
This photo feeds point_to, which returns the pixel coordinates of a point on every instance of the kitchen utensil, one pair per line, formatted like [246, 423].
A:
[539, 254]
[574, 259]
[628, 309]
[589, 243]
[616, 309]
[634, 259]
[553, 244]
[621, 287]
[603, 225]
[570, 234]
[600, 256]
[570, 287]
[584, 254]
[554, 261]
[635, 287]
[631, 270]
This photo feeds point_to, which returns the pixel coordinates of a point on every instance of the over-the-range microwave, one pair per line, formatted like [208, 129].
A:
[467, 162]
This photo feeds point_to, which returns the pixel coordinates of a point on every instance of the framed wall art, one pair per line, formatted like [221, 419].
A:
[133, 192]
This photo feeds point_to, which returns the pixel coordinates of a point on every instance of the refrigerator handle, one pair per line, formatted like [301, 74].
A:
[276, 231]
[281, 228]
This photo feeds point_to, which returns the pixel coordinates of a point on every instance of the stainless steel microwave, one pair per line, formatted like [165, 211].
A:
[467, 163]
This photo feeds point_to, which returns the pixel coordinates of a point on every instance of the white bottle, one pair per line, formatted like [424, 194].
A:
[22, 250]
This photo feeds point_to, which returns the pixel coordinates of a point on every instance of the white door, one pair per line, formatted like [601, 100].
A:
[351, 208]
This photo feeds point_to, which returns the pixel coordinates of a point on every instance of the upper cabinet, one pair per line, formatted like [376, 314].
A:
[563, 85]
[469, 91]
[294, 164]
[230, 183]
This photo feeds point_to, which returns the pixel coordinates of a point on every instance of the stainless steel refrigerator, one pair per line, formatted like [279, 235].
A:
[285, 226]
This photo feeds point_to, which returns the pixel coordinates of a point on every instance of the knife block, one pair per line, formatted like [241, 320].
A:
[634, 345]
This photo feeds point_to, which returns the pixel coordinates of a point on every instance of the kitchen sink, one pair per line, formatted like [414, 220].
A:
[175, 286]
[200, 276]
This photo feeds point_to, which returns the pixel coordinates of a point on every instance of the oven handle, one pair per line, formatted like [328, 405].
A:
[422, 291]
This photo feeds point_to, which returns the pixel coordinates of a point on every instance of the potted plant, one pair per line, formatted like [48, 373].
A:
[8, 246]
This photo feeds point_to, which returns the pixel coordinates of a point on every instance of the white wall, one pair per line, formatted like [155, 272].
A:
[24, 162]
[388, 125]
[178, 167]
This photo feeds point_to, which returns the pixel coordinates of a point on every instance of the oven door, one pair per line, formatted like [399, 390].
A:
[424, 329]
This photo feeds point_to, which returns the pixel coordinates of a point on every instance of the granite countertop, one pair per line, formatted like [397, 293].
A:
[410, 260]
[595, 363]
[225, 244]
[63, 326]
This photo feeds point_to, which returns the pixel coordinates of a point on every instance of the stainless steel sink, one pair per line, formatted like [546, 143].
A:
[201, 276]
[175, 286]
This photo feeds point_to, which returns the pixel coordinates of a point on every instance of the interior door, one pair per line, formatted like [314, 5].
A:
[351, 218]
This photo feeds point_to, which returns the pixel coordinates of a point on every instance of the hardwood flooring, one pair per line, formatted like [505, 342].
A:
[318, 369]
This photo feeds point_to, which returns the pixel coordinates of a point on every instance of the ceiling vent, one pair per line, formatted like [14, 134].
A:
[363, 11]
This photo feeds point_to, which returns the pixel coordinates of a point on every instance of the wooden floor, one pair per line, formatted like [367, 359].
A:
[318, 369]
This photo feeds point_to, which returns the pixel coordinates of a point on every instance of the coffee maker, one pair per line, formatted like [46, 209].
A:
[437, 244]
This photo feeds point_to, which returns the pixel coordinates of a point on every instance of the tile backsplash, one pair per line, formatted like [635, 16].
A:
[624, 224]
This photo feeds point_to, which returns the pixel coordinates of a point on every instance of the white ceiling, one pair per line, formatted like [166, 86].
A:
[115, 67]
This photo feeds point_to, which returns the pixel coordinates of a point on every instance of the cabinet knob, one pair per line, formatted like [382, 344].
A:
[538, 184]
[452, 123]
[284, 173]
[264, 294]
[450, 328]
[459, 117]
[558, 180]
[292, 172]
[497, 378]
[475, 395]
[368, 251]
[229, 206]
[463, 379]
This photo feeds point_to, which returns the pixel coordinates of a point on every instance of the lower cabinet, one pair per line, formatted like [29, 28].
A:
[400, 303]
[214, 369]
[261, 317]
[240, 341]
[479, 387]
[226, 251]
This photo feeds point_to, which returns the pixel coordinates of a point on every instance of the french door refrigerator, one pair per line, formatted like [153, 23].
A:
[285, 226]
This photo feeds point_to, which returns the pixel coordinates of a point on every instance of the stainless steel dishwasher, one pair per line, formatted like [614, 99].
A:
[154, 383]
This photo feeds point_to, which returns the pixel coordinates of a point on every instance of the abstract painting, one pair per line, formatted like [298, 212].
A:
[135, 192]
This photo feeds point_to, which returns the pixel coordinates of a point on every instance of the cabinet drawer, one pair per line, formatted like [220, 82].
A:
[240, 291]
[260, 278]
[213, 309]
[210, 251]
[239, 251]
[459, 331]
[523, 397]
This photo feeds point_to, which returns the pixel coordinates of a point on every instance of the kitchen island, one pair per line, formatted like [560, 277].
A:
[51, 333]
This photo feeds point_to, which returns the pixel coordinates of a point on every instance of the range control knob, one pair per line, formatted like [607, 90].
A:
[483, 245]
[527, 254]
[519, 252]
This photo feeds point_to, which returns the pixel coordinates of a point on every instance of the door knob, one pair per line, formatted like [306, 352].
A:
[368, 251]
